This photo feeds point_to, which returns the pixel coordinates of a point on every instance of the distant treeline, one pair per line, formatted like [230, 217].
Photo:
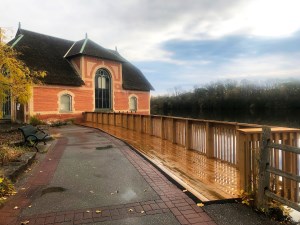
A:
[232, 95]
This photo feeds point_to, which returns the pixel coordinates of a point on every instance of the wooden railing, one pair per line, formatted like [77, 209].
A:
[235, 143]
[215, 139]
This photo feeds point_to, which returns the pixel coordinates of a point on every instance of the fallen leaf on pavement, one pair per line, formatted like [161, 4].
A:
[29, 206]
[142, 211]
[184, 190]
[88, 211]
[200, 204]
[130, 210]
[25, 222]
[16, 207]
[98, 211]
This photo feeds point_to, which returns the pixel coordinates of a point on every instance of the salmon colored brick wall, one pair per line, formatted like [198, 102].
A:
[45, 101]
[121, 102]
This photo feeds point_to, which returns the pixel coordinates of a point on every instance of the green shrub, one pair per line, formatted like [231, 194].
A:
[34, 121]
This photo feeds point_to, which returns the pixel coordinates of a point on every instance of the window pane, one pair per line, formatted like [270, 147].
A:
[65, 103]
[102, 89]
[133, 104]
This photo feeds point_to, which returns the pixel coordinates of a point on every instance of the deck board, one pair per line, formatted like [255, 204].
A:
[212, 179]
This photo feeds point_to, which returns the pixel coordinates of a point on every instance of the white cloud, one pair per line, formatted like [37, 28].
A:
[140, 27]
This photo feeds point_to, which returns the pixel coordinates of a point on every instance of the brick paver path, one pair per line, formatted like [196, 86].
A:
[171, 199]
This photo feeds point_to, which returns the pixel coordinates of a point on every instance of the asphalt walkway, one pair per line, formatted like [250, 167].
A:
[89, 177]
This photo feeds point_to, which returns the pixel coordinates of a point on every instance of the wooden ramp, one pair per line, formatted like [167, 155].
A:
[208, 179]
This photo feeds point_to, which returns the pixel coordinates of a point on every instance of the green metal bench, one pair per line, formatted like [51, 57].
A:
[33, 135]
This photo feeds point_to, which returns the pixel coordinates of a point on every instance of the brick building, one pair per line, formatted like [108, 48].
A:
[81, 76]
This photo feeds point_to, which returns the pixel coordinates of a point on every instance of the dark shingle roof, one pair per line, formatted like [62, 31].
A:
[46, 53]
[133, 78]
[90, 48]
[51, 54]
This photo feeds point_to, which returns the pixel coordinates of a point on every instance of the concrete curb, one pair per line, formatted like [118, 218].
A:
[14, 169]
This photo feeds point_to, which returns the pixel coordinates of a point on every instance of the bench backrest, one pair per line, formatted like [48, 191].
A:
[28, 129]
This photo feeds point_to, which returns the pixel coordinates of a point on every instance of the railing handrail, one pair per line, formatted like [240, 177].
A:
[186, 118]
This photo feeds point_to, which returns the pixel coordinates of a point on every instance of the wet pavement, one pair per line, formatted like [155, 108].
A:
[89, 177]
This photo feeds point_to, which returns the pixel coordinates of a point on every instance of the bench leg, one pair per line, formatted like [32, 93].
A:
[35, 146]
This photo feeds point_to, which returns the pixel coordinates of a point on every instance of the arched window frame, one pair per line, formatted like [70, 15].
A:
[70, 103]
[133, 103]
[104, 99]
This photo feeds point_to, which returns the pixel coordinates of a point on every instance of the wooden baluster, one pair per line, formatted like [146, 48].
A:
[277, 182]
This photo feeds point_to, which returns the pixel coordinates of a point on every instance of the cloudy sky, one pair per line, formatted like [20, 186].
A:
[177, 43]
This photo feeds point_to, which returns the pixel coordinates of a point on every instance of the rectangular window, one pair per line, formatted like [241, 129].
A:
[66, 103]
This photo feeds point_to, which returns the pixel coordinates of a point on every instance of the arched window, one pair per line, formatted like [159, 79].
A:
[102, 89]
[133, 104]
[66, 103]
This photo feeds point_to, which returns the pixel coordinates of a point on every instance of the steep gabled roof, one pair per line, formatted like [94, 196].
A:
[51, 54]
[90, 48]
[133, 78]
[46, 53]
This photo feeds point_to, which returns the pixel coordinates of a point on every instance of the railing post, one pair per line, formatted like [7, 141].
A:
[150, 125]
[173, 131]
[187, 134]
[162, 128]
[97, 118]
[209, 140]
[237, 146]
[114, 118]
[141, 124]
[84, 117]
[133, 122]
[122, 120]
[241, 160]
[263, 175]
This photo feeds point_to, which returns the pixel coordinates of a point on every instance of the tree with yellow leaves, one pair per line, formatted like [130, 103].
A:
[16, 79]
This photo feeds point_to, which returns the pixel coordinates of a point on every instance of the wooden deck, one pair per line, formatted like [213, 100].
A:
[209, 179]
